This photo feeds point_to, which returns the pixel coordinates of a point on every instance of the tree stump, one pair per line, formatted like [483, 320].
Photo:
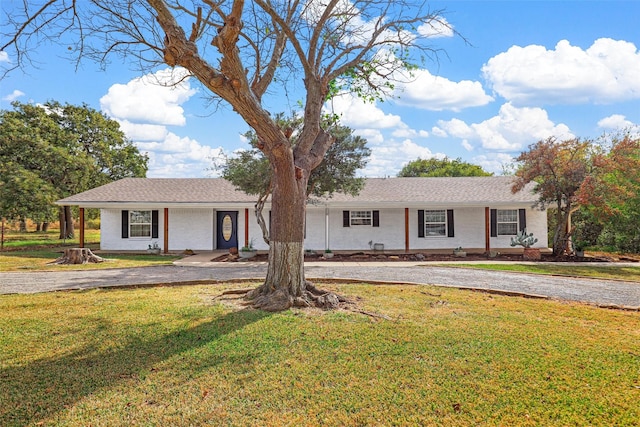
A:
[78, 256]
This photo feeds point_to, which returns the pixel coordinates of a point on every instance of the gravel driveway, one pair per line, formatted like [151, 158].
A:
[593, 291]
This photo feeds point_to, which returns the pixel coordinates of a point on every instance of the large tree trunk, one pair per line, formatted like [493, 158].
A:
[563, 229]
[285, 282]
[66, 223]
[285, 285]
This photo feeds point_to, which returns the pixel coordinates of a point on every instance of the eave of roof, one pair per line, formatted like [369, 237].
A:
[217, 192]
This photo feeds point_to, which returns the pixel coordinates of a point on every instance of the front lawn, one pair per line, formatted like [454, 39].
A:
[34, 250]
[39, 259]
[563, 269]
[176, 356]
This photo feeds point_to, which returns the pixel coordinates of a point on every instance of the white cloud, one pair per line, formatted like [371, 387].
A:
[435, 93]
[373, 136]
[4, 56]
[143, 132]
[356, 113]
[178, 157]
[153, 98]
[615, 121]
[13, 96]
[466, 145]
[494, 162]
[436, 28]
[436, 131]
[388, 158]
[511, 130]
[604, 73]
[144, 107]
[455, 127]
[406, 132]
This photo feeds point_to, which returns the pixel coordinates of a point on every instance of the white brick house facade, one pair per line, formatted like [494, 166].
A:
[403, 214]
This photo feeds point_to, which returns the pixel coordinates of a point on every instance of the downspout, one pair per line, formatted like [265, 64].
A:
[487, 231]
[326, 228]
[406, 229]
[81, 227]
[166, 230]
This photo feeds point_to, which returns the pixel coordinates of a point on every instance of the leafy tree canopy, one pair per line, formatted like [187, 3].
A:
[599, 176]
[51, 151]
[249, 170]
[244, 52]
[441, 167]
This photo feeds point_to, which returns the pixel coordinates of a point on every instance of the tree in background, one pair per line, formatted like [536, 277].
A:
[441, 167]
[558, 170]
[243, 52]
[53, 151]
[249, 170]
[610, 195]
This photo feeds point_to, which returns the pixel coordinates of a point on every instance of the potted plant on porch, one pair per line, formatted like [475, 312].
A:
[248, 251]
[153, 249]
[459, 252]
[526, 241]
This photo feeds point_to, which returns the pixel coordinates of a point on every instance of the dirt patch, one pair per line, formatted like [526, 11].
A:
[427, 257]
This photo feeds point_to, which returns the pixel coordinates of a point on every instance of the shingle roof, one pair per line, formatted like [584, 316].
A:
[450, 191]
[162, 190]
[459, 190]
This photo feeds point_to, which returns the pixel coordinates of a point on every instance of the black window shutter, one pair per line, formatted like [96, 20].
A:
[125, 224]
[376, 218]
[420, 223]
[345, 219]
[494, 223]
[450, 229]
[522, 218]
[154, 224]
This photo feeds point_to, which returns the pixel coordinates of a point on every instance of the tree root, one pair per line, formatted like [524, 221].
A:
[267, 299]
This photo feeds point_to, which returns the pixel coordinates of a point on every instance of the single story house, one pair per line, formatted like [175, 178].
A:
[403, 214]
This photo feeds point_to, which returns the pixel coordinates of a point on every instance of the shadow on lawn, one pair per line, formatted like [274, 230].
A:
[35, 392]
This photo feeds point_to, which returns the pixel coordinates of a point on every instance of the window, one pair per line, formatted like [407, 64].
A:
[435, 223]
[507, 221]
[361, 218]
[370, 218]
[140, 223]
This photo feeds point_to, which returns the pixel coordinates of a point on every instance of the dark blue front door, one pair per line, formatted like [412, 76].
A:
[227, 229]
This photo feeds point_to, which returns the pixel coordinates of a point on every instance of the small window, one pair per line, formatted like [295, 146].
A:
[361, 218]
[507, 221]
[140, 223]
[435, 223]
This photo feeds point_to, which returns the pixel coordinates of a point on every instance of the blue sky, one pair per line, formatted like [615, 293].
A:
[531, 70]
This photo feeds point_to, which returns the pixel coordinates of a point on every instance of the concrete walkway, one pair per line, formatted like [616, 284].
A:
[201, 270]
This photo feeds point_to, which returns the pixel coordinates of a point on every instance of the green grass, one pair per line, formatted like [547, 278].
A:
[563, 269]
[14, 240]
[33, 251]
[38, 259]
[174, 356]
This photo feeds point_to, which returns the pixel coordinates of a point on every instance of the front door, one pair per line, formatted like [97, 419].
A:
[227, 229]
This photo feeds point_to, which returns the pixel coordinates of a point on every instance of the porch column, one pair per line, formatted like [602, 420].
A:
[166, 231]
[326, 228]
[487, 230]
[406, 229]
[81, 227]
[246, 227]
